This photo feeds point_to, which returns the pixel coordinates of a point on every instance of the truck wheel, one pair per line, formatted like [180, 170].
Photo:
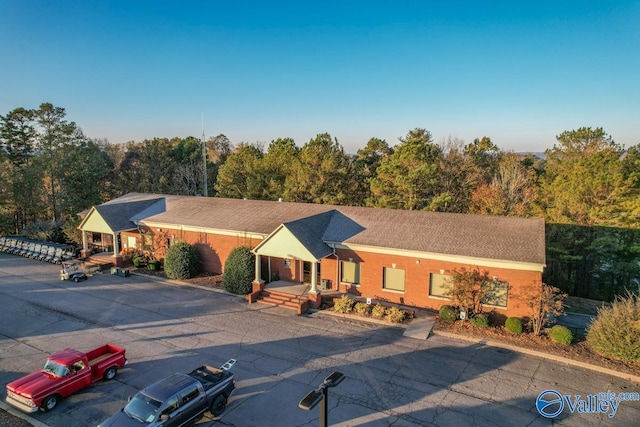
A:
[110, 373]
[218, 405]
[75, 279]
[49, 403]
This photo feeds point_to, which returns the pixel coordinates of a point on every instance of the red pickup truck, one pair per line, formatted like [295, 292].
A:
[64, 373]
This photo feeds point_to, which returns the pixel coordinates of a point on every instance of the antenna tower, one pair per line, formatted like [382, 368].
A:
[204, 162]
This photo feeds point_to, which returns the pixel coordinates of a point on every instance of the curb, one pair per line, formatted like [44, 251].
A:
[22, 416]
[542, 355]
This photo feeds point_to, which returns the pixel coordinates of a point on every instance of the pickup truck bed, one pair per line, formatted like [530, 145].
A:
[101, 353]
[209, 376]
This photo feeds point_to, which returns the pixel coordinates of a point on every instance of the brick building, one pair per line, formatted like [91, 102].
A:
[404, 257]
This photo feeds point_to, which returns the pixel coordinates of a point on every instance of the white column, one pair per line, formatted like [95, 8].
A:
[257, 268]
[85, 240]
[116, 247]
[314, 276]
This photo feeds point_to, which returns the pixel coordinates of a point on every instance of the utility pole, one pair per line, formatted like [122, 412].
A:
[204, 162]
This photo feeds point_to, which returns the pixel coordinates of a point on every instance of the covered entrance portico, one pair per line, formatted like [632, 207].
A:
[109, 242]
[294, 250]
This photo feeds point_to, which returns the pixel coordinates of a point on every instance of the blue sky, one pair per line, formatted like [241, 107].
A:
[518, 72]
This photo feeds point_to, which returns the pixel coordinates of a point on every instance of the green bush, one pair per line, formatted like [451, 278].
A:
[153, 265]
[447, 313]
[362, 308]
[378, 311]
[480, 320]
[513, 324]
[344, 304]
[182, 261]
[394, 315]
[137, 261]
[561, 334]
[616, 330]
[239, 271]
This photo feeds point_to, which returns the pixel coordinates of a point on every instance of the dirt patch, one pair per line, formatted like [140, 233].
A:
[209, 280]
[578, 350]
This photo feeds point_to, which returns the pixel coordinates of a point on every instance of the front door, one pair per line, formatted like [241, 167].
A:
[306, 272]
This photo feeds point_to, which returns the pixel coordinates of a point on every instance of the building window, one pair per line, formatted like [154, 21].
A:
[496, 295]
[147, 241]
[350, 272]
[393, 279]
[440, 285]
[286, 263]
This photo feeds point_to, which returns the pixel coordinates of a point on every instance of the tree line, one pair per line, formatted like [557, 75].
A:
[587, 187]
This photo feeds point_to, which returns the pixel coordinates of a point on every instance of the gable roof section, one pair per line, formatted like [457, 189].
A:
[116, 215]
[299, 239]
[477, 236]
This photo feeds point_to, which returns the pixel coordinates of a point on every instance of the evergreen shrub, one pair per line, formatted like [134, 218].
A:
[561, 334]
[513, 324]
[378, 311]
[344, 304]
[480, 320]
[362, 308]
[239, 271]
[447, 313]
[182, 261]
[394, 315]
[616, 330]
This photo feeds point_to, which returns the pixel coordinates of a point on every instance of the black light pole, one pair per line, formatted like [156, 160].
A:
[320, 395]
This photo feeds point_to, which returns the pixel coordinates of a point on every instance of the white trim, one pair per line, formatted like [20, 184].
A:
[458, 259]
[206, 230]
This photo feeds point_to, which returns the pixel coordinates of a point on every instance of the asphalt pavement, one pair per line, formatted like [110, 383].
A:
[391, 379]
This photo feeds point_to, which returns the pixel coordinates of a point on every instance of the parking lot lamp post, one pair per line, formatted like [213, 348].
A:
[321, 395]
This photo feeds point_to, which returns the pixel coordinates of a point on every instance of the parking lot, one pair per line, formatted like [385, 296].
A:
[390, 379]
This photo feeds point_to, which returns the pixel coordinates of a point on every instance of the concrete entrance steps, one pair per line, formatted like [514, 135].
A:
[97, 264]
[420, 328]
[283, 299]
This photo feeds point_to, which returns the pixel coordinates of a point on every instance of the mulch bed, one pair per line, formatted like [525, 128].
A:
[578, 350]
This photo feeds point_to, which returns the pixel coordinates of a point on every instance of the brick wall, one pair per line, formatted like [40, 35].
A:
[215, 249]
[417, 280]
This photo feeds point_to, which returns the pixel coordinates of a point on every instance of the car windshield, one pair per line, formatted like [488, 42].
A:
[142, 408]
[55, 368]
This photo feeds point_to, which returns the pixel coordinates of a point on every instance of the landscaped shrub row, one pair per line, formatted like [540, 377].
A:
[346, 305]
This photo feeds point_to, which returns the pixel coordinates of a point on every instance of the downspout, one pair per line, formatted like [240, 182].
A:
[337, 266]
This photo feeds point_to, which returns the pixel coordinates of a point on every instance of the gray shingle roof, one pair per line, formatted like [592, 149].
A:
[309, 231]
[488, 237]
[118, 216]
